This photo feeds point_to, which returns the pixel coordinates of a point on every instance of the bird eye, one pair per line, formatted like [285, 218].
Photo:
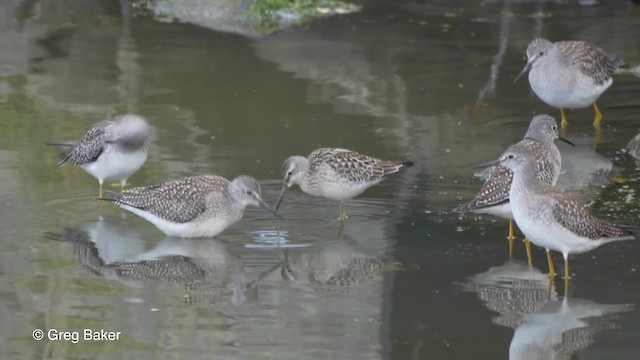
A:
[510, 156]
[248, 192]
[554, 127]
[290, 173]
[541, 53]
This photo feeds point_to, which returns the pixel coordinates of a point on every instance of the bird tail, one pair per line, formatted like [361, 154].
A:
[462, 209]
[635, 71]
[63, 156]
[392, 167]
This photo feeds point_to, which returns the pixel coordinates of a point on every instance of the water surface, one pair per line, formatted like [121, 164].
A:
[406, 279]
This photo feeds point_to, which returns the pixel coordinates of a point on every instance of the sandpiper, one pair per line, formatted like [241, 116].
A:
[336, 174]
[111, 150]
[569, 74]
[493, 198]
[196, 206]
[551, 218]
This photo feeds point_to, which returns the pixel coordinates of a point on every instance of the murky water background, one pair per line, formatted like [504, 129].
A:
[430, 82]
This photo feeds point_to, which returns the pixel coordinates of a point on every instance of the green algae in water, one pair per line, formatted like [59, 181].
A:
[269, 16]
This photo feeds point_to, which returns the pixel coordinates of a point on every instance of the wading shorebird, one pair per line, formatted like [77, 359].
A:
[111, 150]
[336, 174]
[196, 206]
[569, 74]
[493, 197]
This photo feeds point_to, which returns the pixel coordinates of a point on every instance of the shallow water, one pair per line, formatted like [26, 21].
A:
[406, 279]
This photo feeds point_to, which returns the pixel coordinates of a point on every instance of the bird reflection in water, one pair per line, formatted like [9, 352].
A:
[338, 267]
[204, 268]
[545, 327]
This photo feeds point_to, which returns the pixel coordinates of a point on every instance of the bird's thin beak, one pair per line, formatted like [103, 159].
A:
[565, 140]
[524, 70]
[487, 165]
[269, 209]
[281, 197]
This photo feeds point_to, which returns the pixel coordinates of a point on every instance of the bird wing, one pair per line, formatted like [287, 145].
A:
[356, 167]
[576, 218]
[178, 201]
[591, 60]
[321, 155]
[88, 148]
[494, 192]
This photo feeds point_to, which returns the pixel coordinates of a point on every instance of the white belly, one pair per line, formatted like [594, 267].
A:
[539, 227]
[503, 211]
[115, 165]
[570, 92]
[336, 190]
[209, 227]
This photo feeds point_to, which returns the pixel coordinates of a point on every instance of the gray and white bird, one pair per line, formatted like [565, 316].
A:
[336, 174]
[570, 74]
[493, 197]
[196, 206]
[551, 218]
[111, 150]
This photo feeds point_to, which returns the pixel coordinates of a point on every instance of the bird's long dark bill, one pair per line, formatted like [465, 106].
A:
[487, 165]
[524, 70]
[281, 197]
[265, 206]
[565, 140]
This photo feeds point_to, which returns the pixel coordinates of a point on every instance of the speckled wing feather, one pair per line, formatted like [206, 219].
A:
[494, 192]
[359, 168]
[88, 148]
[576, 218]
[592, 61]
[178, 201]
[319, 156]
[544, 165]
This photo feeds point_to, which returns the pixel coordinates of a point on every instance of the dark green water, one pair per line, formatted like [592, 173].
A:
[406, 279]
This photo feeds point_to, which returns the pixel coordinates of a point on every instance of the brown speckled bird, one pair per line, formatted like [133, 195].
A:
[196, 206]
[569, 74]
[336, 174]
[111, 150]
[551, 218]
[493, 197]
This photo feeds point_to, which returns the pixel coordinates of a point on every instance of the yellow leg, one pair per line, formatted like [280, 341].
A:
[100, 196]
[565, 123]
[566, 275]
[511, 237]
[552, 270]
[550, 287]
[598, 118]
[527, 246]
[343, 213]
[597, 136]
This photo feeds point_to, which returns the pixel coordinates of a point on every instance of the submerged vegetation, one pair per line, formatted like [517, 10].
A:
[268, 16]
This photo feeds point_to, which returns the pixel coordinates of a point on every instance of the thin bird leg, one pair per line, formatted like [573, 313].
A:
[527, 246]
[552, 270]
[511, 237]
[598, 119]
[343, 212]
[565, 123]
[549, 287]
[566, 275]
